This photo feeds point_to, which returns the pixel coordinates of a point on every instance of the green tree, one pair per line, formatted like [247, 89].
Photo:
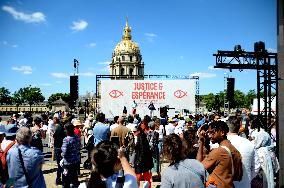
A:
[5, 97]
[30, 95]
[239, 99]
[64, 96]
[17, 98]
[249, 98]
[209, 100]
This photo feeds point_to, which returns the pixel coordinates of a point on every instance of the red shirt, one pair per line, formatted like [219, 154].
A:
[77, 132]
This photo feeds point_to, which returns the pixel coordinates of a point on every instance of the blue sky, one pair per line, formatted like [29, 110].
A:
[39, 39]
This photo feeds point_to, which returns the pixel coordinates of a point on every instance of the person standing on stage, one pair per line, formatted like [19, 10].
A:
[134, 106]
[151, 107]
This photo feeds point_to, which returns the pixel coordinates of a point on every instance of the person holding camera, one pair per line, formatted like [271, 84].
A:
[224, 163]
[109, 161]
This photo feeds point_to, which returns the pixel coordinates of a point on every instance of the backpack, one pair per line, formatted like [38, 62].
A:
[3, 163]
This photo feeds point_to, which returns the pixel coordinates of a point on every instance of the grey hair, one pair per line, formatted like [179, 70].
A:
[23, 136]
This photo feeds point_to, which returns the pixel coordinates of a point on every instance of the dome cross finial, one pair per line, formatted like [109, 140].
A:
[127, 31]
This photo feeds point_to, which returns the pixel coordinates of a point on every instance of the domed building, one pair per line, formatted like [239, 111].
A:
[126, 58]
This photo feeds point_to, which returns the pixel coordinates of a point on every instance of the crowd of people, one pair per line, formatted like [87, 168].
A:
[200, 151]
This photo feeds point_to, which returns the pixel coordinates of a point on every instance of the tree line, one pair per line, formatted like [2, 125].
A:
[216, 101]
[29, 95]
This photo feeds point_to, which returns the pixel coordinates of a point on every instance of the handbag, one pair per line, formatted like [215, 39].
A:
[24, 169]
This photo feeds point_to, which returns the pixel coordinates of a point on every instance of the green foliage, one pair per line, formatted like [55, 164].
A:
[249, 98]
[216, 101]
[64, 96]
[30, 95]
[18, 97]
[5, 97]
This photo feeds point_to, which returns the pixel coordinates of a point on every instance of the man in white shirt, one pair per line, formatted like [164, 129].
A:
[115, 123]
[131, 125]
[246, 149]
[170, 128]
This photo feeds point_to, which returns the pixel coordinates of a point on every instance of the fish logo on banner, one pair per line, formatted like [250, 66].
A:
[115, 94]
[180, 94]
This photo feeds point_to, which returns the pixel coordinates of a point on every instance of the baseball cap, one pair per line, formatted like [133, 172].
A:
[11, 129]
[2, 129]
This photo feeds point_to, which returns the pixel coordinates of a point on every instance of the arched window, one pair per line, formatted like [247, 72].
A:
[131, 71]
[114, 71]
[122, 71]
[123, 58]
[130, 57]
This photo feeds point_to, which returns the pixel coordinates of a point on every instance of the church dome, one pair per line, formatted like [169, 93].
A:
[126, 45]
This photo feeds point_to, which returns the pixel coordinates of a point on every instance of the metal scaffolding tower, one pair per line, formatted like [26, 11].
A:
[265, 64]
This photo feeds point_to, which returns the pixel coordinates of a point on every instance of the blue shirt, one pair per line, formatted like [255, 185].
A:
[33, 159]
[101, 132]
[71, 150]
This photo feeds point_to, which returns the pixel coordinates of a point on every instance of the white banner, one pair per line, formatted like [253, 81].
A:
[177, 94]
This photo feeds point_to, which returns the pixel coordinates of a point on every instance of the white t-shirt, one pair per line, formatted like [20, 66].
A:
[246, 149]
[129, 182]
[113, 126]
[131, 126]
[170, 128]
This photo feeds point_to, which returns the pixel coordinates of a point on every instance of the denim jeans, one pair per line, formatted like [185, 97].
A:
[58, 157]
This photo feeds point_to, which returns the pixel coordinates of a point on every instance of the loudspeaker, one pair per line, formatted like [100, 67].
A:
[230, 89]
[74, 94]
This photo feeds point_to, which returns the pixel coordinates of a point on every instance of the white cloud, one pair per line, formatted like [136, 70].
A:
[45, 84]
[87, 74]
[150, 34]
[211, 68]
[104, 63]
[23, 69]
[91, 45]
[203, 75]
[35, 17]
[105, 69]
[59, 75]
[11, 45]
[79, 25]
[58, 82]
[272, 50]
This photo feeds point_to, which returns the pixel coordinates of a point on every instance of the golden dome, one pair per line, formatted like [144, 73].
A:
[126, 45]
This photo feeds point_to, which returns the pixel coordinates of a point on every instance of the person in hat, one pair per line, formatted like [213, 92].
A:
[9, 134]
[77, 131]
[170, 128]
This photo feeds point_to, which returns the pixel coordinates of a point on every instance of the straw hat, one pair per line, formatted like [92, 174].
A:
[77, 122]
